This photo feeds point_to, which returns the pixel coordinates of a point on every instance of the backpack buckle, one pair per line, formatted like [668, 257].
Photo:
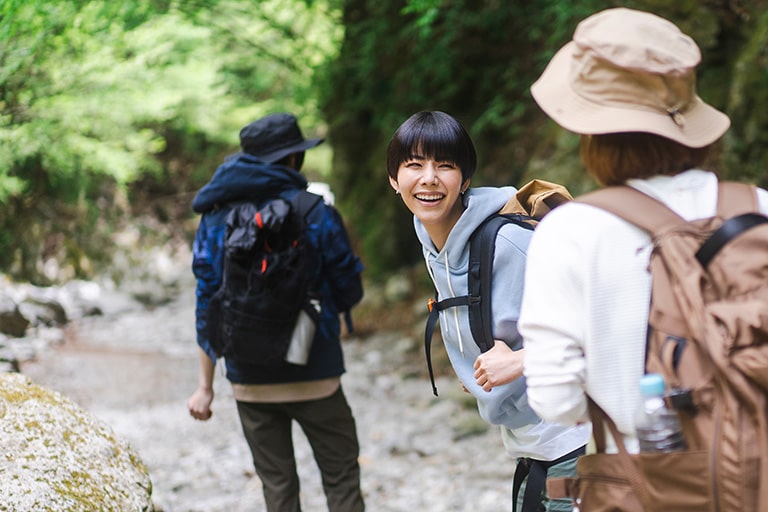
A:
[682, 399]
[431, 304]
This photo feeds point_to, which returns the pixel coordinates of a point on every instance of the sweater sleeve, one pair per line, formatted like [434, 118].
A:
[552, 319]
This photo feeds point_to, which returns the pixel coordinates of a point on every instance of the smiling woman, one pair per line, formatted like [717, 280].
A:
[430, 161]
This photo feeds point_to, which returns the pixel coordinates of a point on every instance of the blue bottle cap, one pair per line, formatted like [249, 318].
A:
[652, 384]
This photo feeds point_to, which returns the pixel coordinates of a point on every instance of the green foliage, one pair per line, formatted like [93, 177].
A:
[477, 60]
[104, 105]
[74, 80]
[746, 143]
[110, 110]
[473, 59]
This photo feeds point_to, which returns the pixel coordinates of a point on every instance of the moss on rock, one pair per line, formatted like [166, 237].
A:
[59, 457]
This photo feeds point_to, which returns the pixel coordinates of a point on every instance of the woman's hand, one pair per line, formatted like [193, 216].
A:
[500, 365]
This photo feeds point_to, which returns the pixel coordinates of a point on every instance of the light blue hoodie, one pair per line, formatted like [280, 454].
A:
[525, 434]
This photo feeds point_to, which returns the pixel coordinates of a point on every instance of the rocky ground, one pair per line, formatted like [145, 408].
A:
[135, 367]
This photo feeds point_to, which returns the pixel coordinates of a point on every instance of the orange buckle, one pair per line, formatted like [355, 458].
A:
[430, 304]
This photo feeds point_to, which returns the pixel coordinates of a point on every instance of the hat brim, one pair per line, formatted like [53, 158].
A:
[281, 153]
[553, 92]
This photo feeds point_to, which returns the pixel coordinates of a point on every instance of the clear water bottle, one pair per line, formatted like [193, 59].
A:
[658, 428]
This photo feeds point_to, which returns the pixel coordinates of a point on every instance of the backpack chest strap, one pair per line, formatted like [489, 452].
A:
[435, 307]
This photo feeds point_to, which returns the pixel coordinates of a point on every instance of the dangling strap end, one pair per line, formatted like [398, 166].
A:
[431, 321]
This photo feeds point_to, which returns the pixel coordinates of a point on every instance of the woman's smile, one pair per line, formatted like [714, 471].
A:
[429, 197]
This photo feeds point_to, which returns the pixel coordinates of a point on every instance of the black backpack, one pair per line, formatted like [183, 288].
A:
[525, 209]
[266, 280]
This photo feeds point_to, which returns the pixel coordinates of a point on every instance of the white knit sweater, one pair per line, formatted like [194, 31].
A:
[585, 305]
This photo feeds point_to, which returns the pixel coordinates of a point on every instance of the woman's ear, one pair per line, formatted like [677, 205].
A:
[394, 184]
[465, 186]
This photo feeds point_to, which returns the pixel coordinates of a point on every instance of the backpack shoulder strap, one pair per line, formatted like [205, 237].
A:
[482, 248]
[737, 204]
[735, 198]
[633, 206]
[305, 201]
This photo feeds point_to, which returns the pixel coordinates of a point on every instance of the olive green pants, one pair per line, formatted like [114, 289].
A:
[330, 429]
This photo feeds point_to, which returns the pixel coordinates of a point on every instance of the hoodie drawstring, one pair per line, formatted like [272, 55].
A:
[451, 292]
[455, 311]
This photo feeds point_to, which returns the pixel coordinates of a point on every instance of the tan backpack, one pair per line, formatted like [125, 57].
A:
[708, 337]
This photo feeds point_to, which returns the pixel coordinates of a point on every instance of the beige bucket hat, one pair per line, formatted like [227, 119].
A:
[629, 71]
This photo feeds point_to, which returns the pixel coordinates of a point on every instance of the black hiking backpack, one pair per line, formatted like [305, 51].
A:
[525, 209]
[266, 280]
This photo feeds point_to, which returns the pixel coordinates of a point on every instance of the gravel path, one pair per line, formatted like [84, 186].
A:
[136, 368]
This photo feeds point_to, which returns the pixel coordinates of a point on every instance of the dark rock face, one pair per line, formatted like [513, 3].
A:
[12, 321]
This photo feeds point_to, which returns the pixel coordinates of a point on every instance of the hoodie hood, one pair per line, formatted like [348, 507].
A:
[479, 203]
[243, 177]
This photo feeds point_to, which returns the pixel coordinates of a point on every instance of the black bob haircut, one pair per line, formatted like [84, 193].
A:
[434, 135]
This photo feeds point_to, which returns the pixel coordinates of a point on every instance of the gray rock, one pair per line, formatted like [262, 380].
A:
[59, 457]
[43, 312]
[12, 321]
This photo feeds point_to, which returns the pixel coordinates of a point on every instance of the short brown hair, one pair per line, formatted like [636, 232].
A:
[613, 158]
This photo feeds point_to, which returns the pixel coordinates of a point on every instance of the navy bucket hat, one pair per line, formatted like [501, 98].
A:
[274, 137]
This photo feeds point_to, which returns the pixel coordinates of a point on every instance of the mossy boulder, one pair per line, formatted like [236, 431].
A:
[58, 457]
